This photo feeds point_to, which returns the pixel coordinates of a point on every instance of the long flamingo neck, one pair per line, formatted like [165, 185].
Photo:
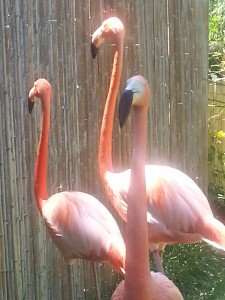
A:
[105, 146]
[40, 175]
[137, 253]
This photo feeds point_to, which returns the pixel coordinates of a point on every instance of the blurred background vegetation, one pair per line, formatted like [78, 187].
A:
[216, 39]
[216, 105]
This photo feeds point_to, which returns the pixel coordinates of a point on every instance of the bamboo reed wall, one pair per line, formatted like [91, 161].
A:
[166, 41]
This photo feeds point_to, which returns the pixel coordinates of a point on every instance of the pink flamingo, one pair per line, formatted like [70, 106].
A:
[139, 282]
[178, 211]
[79, 225]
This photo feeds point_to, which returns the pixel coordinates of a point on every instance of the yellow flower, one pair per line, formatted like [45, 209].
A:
[220, 134]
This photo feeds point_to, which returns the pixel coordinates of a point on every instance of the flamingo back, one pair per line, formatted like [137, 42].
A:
[178, 211]
[164, 289]
[160, 288]
[175, 199]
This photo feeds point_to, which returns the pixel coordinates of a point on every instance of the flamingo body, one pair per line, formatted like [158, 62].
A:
[160, 287]
[178, 211]
[139, 282]
[81, 227]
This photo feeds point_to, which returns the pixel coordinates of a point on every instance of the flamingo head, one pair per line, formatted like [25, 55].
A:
[39, 90]
[136, 94]
[112, 29]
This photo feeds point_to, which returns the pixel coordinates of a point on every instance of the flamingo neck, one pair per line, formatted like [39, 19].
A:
[105, 145]
[137, 252]
[40, 175]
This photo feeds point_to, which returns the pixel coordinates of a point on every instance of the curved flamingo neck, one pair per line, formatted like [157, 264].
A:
[105, 145]
[137, 252]
[40, 175]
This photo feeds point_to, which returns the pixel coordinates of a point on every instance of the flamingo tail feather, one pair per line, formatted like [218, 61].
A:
[216, 233]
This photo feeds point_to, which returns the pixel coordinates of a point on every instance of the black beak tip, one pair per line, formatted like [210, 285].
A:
[125, 106]
[30, 106]
[94, 50]
[121, 122]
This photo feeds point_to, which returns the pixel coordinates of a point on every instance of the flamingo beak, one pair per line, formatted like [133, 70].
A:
[31, 99]
[125, 106]
[30, 106]
[94, 50]
[96, 40]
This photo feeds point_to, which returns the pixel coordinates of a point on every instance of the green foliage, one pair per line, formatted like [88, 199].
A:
[216, 153]
[216, 161]
[216, 22]
[216, 38]
[198, 271]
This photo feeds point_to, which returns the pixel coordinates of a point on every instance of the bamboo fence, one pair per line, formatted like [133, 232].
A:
[166, 41]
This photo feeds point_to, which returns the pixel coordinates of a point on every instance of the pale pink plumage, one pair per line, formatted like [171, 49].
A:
[81, 227]
[78, 223]
[178, 211]
[139, 282]
[160, 286]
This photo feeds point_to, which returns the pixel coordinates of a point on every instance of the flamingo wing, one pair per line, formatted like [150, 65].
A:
[118, 294]
[175, 199]
[178, 211]
[118, 185]
[80, 226]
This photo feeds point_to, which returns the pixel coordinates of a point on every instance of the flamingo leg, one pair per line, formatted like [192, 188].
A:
[157, 255]
[69, 279]
[96, 280]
